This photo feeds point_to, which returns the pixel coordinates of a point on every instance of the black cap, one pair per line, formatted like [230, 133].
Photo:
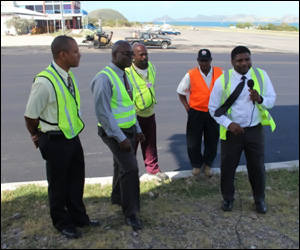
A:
[204, 54]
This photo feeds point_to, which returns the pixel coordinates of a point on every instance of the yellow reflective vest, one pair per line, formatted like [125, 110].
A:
[121, 104]
[259, 85]
[145, 94]
[68, 107]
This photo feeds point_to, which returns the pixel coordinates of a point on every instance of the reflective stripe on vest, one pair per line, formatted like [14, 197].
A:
[259, 85]
[122, 106]
[68, 108]
[145, 96]
[200, 93]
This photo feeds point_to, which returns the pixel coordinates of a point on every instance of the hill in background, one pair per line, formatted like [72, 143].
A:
[106, 14]
[229, 18]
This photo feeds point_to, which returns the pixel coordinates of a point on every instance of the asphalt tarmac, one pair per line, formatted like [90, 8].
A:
[20, 161]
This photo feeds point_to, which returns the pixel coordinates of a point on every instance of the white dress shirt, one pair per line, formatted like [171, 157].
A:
[243, 111]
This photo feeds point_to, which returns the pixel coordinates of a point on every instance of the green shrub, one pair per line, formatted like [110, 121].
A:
[22, 25]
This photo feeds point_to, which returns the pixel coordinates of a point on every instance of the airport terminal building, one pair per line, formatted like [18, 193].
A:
[48, 15]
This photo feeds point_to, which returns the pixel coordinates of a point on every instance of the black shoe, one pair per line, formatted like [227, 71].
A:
[134, 222]
[227, 205]
[71, 233]
[94, 223]
[261, 207]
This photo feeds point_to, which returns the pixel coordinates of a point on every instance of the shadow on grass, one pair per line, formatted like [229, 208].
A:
[183, 213]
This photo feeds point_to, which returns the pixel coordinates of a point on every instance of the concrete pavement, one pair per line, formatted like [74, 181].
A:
[220, 39]
[289, 165]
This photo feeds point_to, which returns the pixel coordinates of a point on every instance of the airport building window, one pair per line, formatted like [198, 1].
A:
[39, 8]
[57, 9]
[29, 7]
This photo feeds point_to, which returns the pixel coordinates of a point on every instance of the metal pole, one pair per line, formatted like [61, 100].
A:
[47, 25]
[62, 19]
[100, 25]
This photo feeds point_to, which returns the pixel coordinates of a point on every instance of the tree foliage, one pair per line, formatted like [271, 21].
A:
[244, 25]
[22, 25]
[106, 14]
[281, 27]
[269, 26]
[108, 17]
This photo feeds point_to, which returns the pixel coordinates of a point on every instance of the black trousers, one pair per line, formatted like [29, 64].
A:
[65, 175]
[252, 142]
[126, 182]
[201, 124]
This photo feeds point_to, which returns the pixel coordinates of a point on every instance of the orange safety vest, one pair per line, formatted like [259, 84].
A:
[200, 93]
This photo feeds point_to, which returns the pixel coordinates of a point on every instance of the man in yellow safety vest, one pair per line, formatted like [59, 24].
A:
[142, 74]
[53, 119]
[119, 128]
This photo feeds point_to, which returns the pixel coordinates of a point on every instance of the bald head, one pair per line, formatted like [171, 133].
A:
[117, 46]
[122, 54]
[140, 56]
[138, 47]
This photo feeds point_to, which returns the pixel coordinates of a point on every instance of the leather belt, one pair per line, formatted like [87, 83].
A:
[248, 128]
[56, 135]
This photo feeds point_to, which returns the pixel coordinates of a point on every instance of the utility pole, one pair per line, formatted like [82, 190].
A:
[100, 25]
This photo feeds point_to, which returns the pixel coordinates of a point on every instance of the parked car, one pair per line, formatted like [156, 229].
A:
[150, 39]
[170, 32]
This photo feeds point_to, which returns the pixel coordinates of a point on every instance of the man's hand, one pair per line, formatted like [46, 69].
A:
[184, 101]
[32, 126]
[254, 96]
[141, 137]
[235, 128]
[35, 139]
[125, 145]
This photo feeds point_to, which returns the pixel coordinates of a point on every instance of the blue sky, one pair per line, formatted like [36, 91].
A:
[144, 11]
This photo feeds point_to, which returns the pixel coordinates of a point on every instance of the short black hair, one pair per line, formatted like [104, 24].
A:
[239, 50]
[60, 43]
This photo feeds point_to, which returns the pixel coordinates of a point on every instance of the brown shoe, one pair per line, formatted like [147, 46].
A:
[196, 171]
[207, 171]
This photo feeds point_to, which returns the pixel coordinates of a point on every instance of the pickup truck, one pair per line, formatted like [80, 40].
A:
[150, 39]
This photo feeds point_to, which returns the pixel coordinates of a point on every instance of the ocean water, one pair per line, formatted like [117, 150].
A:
[217, 24]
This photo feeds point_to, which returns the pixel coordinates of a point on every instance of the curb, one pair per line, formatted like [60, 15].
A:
[288, 165]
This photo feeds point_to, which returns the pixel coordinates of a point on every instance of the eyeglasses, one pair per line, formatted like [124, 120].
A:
[127, 53]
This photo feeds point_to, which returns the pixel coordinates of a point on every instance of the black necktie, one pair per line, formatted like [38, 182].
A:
[127, 86]
[70, 85]
[231, 99]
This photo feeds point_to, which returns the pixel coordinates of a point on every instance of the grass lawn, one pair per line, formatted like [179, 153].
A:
[183, 213]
